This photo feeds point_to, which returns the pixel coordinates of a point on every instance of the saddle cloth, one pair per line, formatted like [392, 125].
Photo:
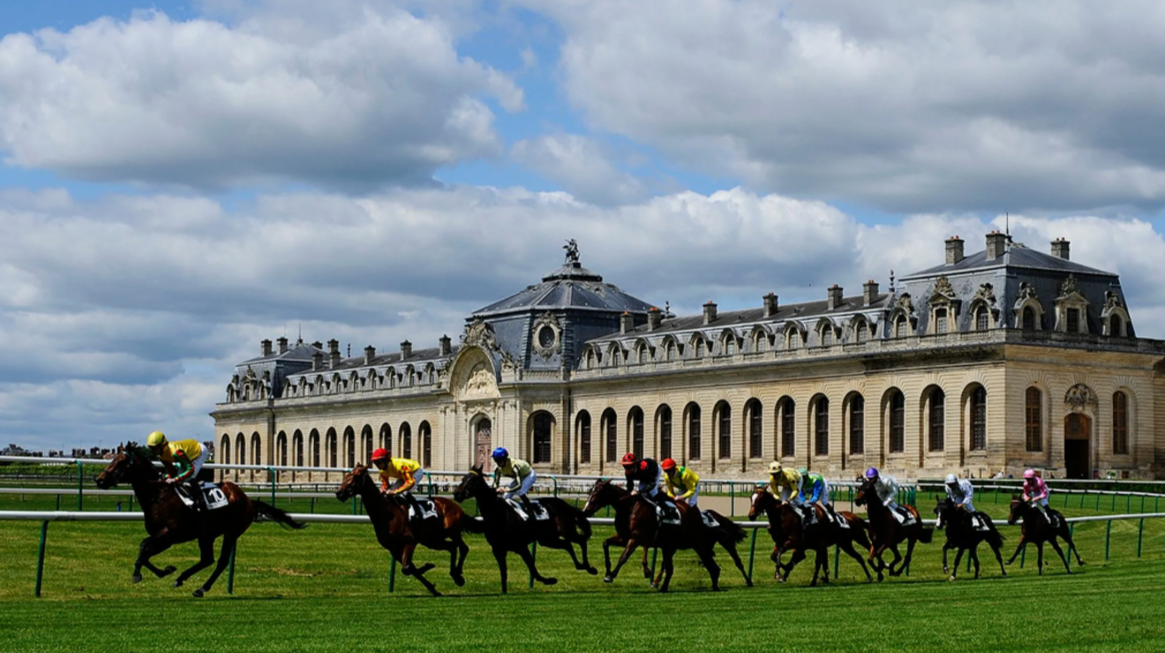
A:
[907, 518]
[839, 520]
[213, 496]
[540, 512]
[424, 509]
[979, 523]
[668, 513]
[709, 519]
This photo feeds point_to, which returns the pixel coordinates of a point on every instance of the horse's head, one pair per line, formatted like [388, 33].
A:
[943, 509]
[761, 501]
[865, 489]
[599, 497]
[129, 457]
[471, 484]
[353, 482]
[1018, 507]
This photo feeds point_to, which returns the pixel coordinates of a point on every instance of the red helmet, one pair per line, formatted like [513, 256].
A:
[668, 464]
[380, 454]
[629, 459]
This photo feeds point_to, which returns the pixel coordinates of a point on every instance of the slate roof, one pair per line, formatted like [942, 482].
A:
[570, 287]
[431, 354]
[300, 352]
[1016, 256]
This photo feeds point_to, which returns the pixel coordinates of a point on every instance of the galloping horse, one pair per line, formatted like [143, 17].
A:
[636, 525]
[169, 521]
[400, 537]
[887, 533]
[506, 531]
[963, 536]
[788, 534]
[1037, 529]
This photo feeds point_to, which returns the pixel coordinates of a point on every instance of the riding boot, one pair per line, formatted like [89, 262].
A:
[527, 506]
[196, 495]
[412, 507]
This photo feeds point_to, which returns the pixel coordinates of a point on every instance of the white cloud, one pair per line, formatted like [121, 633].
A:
[349, 95]
[966, 105]
[581, 167]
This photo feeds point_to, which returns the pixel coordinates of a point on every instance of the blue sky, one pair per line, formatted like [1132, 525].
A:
[179, 180]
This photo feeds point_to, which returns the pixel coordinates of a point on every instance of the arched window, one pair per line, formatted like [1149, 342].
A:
[670, 351]
[936, 420]
[314, 443]
[1029, 319]
[862, 331]
[664, 431]
[979, 419]
[366, 442]
[794, 339]
[584, 438]
[425, 433]
[826, 336]
[543, 423]
[981, 319]
[788, 427]
[256, 449]
[1115, 326]
[240, 449]
[281, 448]
[897, 422]
[821, 426]
[940, 320]
[611, 433]
[225, 448]
[349, 447]
[756, 436]
[635, 422]
[1033, 419]
[900, 330]
[700, 348]
[406, 440]
[857, 425]
[723, 422]
[333, 448]
[386, 438]
[297, 447]
[694, 452]
[1120, 423]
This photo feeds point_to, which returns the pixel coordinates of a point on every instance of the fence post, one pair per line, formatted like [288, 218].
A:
[554, 479]
[271, 476]
[1140, 535]
[1082, 495]
[353, 505]
[751, 554]
[392, 575]
[731, 499]
[534, 556]
[231, 573]
[1022, 556]
[1072, 546]
[44, 532]
[836, 560]
[80, 486]
[1107, 538]
[58, 502]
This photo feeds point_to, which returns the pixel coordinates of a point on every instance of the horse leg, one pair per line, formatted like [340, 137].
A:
[528, 558]
[848, 547]
[958, 559]
[206, 559]
[607, 543]
[632, 544]
[707, 556]
[1040, 560]
[947, 547]
[409, 569]
[1018, 548]
[731, 549]
[590, 569]
[229, 540]
[910, 543]
[458, 550]
[898, 564]
[500, 556]
[150, 547]
[798, 556]
[998, 557]
[1060, 552]
[646, 569]
[816, 567]
[975, 559]
[668, 567]
[1066, 534]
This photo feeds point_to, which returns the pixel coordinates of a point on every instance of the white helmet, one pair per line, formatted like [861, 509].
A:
[952, 479]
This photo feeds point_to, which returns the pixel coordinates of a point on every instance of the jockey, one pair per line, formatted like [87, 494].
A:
[398, 476]
[519, 470]
[961, 492]
[645, 472]
[187, 455]
[887, 488]
[1035, 493]
[785, 484]
[678, 478]
[814, 492]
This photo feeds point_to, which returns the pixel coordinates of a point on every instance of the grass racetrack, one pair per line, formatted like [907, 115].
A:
[325, 589]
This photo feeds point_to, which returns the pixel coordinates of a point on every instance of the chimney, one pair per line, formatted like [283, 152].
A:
[317, 344]
[834, 296]
[709, 312]
[334, 353]
[317, 360]
[406, 349]
[870, 288]
[996, 245]
[954, 250]
[771, 304]
[654, 318]
[1060, 248]
[282, 345]
[369, 354]
[445, 346]
[626, 322]
[266, 344]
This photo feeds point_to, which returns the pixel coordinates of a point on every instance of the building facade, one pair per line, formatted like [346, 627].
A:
[1001, 360]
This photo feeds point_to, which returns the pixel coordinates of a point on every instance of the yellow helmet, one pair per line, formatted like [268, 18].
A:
[775, 467]
[156, 438]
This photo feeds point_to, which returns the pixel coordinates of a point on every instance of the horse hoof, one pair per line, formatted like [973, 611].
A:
[459, 580]
[137, 578]
[748, 583]
[951, 578]
[946, 569]
[178, 583]
[199, 593]
[717, 588]
[549, 581]
[608, 578]
[592, 571]
[167, 571]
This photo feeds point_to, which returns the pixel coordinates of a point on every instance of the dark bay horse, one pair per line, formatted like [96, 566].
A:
[507, 532]
[1037, 529]
[169, 521]
[964, 537]
[400, 537]
[887, 533]
[636, 525]
[788, 534]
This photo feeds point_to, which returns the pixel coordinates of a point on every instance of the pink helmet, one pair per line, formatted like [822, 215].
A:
[1029, 473]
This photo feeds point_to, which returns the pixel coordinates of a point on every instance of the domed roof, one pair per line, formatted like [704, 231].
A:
[570, 287]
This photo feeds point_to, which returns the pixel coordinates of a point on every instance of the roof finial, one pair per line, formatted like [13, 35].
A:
[666, 308]
[571, 248]
[891, 281]
[1007, 225]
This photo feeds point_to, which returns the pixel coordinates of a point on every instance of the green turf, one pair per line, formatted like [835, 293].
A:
[325, 588]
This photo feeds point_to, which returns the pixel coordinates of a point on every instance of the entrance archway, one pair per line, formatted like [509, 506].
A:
[1077, 452]
[483, 443]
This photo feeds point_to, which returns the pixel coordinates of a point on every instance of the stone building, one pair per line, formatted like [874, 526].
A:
[1004, 359]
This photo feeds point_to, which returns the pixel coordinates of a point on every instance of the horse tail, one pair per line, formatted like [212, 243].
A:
[859, 527]
[270, 512]
[925, 535]
[582, 523]
[733, 531]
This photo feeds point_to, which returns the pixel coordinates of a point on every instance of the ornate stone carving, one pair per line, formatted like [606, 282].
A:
[1027, 291]
[904, 303]
[1079, 396]
[986, 292]
[480, 382]
[480, 334]
[547, 335]
[1069, 286]
[943, 287]
[571, 248]
[1112, 300]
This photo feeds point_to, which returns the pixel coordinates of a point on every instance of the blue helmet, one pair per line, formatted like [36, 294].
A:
[872, 472]
[500, 454]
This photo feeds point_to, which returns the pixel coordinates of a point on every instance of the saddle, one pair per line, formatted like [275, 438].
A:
[540, 513]
[667, 512]
[709, 519]
[907, 518]
[837, 519]
[212, 497]
[422, 509]
[978, 523]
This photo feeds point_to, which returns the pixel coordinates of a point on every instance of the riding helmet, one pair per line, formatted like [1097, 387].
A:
[157, 438]
[952, 479]
[379, 454]
[872, 472]
[630, 459]
[500, 454]
[803, 471]
[668, 464]
[775, 467]
[1029, 473]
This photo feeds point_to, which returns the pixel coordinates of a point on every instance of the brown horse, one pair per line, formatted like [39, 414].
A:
[169, 521]
[785, 527]
[506, 531]
[887, 533]
[400, 537]
[636, 525]
[1037, 529]
[964, 537]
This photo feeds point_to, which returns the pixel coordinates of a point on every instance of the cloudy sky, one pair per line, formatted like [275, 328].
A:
[180, 179]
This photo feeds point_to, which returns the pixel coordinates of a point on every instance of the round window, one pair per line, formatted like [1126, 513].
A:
[546, 337]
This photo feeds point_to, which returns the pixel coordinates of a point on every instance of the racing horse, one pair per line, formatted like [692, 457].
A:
[1036, 528]
[964, 537]
[887, 533]
[785, 527]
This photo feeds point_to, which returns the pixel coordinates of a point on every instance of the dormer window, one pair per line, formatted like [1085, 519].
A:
[940, 320]
[900, 330]
[1029, 319]
[1073, 320]
[981, 319]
